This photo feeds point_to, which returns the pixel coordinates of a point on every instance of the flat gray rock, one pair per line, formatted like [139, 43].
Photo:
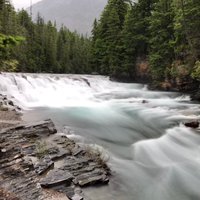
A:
[32, 130]
[56, 177]
[43, 165]
[97, 176]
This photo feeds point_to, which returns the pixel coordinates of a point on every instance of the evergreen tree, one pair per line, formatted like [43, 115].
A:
[136, 35]
[108, 45]
[161, 53]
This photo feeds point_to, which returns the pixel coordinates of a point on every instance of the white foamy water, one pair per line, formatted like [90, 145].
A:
[152, 154]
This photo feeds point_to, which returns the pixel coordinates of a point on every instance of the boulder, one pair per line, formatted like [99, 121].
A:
[193, 124]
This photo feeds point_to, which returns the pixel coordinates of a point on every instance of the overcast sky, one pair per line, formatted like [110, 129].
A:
[23, 3]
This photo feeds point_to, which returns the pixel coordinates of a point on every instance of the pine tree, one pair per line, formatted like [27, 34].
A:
[108, 44]
[161, 53]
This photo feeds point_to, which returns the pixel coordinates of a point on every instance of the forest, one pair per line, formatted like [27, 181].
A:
[27, 46]
[152, 40]
[155, 41]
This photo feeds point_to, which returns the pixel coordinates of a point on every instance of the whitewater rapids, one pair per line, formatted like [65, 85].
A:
[152, 154]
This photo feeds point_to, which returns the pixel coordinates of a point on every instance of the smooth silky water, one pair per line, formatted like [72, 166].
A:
[153, 156]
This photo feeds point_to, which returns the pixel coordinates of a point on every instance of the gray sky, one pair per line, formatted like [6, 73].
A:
[23, 3]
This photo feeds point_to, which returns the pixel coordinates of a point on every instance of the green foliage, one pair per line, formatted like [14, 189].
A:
[6, 45]
[136, 35]
[196, 71]
[161, 51]
[9, 65]
[107, 37]
[163, 32]
[45, 49]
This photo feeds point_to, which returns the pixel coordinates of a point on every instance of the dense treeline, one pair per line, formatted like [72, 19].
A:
[157, 39]
[38, 47]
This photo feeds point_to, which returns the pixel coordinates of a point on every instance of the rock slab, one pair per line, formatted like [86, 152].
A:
[56, 177]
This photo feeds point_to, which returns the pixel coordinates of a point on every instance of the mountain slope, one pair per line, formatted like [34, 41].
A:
[74, 14]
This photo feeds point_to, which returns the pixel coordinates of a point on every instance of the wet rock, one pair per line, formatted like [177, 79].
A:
[43, 165]
[10, 103]
[194, 124]
[56, 177]
[17, 108]
[144, 101]
[86, 81]
[97, 176]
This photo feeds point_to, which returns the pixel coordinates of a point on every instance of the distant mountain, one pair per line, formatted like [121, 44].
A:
[74, 14]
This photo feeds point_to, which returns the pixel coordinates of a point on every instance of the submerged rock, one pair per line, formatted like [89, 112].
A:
[144, 101]
[194, 124]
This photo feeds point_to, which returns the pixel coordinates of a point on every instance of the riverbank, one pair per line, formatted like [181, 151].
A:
[36, 162]
[189, 86]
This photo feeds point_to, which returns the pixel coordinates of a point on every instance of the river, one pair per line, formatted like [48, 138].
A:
[153, 156]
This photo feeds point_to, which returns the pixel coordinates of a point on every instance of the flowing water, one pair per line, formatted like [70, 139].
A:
[153, 156]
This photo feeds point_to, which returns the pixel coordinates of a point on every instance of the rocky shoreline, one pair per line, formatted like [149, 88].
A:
[37, 163]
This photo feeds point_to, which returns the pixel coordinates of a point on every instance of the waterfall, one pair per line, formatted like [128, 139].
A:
[45, 90]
